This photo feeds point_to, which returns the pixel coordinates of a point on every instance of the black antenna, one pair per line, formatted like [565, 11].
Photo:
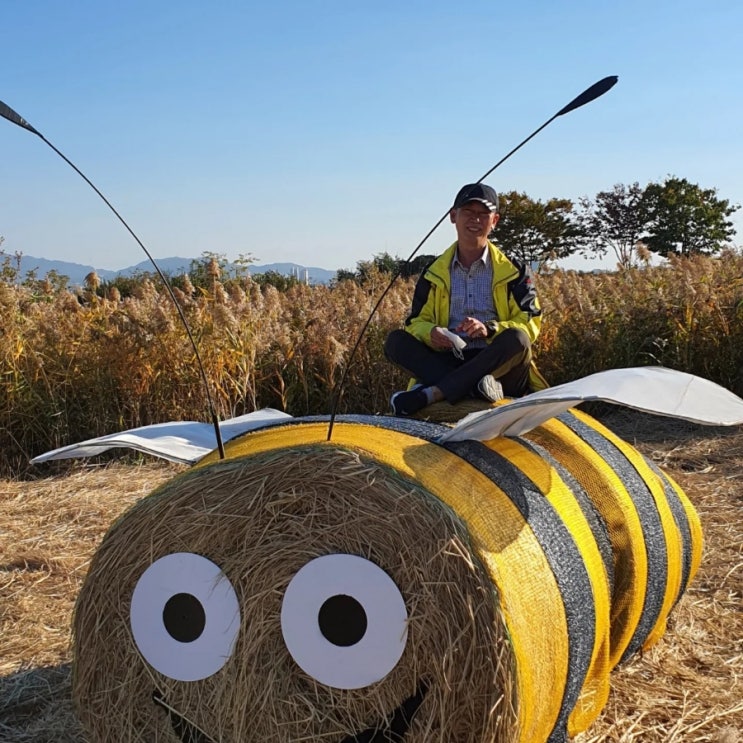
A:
[8, 113]
[588, 95]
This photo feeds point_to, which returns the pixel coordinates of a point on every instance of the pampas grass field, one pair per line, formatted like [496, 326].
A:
[74, 367]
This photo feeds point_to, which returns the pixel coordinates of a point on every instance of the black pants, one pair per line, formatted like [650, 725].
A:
[507, 357]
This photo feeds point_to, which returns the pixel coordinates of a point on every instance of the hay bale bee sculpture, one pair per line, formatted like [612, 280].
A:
[398, 582]
[403, 581]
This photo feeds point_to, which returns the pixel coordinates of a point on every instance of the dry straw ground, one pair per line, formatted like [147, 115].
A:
[687, 689]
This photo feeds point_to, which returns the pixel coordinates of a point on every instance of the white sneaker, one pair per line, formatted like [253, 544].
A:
[490, 388]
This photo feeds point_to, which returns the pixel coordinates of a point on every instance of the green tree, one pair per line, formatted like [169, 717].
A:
[416, 265]
[211, 266]
[536, 231]
[684, 218]
[380, 263]
[10, 266]
[384, 263]
[275, 279]
[240, 267]
[615, 220]
[364, 269]
[343, 274]
[53, 282]
[126, 286]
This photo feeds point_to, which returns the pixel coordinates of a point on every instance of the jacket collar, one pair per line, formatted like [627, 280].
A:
[440, 269]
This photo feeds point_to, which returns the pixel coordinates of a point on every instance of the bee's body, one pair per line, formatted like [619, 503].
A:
[584, 545]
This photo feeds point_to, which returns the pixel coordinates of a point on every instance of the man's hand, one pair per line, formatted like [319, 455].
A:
[472, 328]
[440, 340]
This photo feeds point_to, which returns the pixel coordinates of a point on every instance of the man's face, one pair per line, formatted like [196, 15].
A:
[473, 222]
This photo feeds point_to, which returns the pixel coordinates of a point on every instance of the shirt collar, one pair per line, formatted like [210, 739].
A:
[485, 257]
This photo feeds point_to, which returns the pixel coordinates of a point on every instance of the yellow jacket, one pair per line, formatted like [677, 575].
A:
[514, 296]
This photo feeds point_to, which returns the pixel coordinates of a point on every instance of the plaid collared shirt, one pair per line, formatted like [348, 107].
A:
[472, 294]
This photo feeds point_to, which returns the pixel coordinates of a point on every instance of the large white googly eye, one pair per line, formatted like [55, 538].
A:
[344, 621]
[185, 616]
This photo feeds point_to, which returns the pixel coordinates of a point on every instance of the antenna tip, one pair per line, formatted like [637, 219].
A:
[8, 113]
[590, 94]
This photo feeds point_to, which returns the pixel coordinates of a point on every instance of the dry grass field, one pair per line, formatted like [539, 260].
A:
[289, 349]
[688, 688]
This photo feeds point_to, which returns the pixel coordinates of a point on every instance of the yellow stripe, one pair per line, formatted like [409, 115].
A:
[530, 598]
[695, 528]
[673, 539]
[614, 503]
[595, 691]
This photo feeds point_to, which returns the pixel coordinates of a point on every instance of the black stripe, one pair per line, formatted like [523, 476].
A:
[652, 528]
[411, 426]
[595, 520]
[564, 559]
[556, 542]
[682, 522]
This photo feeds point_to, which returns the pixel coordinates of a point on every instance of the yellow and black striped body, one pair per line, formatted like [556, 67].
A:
[588, 544]
[522, 571]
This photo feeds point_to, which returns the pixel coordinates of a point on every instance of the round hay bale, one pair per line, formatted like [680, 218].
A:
[506, 577]
[445, 412]
[260, 519]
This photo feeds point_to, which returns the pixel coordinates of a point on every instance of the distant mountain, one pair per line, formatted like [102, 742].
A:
[76, 272]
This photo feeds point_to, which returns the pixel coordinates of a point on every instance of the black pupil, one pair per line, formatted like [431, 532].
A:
[342, 620]
[184, 617]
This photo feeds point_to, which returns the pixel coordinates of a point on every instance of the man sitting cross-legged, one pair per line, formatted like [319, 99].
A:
[471, 292]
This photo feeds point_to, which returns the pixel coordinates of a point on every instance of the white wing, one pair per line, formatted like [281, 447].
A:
[652, 389]
[182, 441]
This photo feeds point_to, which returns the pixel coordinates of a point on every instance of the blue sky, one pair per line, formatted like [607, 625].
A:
[326, 132]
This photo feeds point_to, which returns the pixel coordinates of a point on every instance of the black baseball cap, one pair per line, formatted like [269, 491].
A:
[477, 192]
